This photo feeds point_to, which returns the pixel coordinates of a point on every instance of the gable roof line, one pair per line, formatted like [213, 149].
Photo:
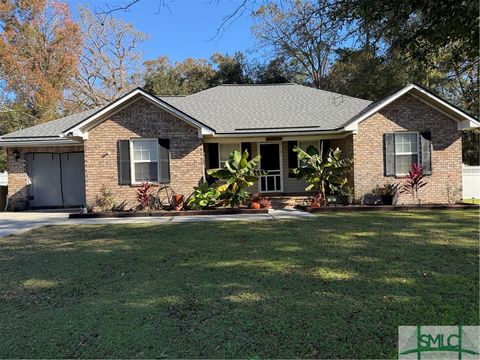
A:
[467, 123]
[77, 128]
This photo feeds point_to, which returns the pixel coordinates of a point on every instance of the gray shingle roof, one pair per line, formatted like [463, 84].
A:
[52, 128]
[241, 109]
[257, 108]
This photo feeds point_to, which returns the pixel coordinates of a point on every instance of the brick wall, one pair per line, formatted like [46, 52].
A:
[17, 171]
[141, 119]
[409, 114]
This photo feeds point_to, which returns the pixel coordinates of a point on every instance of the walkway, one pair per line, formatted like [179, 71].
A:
[17, 222]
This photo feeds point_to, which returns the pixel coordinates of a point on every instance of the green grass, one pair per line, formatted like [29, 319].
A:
[334, 286]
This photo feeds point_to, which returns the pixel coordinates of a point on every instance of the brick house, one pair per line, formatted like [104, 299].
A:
[172, 140]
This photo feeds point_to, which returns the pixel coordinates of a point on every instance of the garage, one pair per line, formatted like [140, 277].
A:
[56, 180]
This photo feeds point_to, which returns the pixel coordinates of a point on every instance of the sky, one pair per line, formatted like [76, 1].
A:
[182, 28]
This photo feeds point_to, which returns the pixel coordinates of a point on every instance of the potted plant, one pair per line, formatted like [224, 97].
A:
[265, 202]
[178, 202]
[342, 195]
[387, 192]
[259, 201]
[255, 204]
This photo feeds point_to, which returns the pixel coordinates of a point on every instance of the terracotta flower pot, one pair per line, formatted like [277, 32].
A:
[177, 202]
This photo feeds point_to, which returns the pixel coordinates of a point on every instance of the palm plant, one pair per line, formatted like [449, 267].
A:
[321, 171]
[238, 174]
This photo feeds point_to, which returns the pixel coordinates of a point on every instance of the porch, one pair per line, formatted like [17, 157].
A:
[277, 158]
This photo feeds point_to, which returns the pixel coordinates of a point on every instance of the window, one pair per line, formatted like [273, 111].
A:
[305, 144]
[224, 151]
[144, 155]
[406, 151]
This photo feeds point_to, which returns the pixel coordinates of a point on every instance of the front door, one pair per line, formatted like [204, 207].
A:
[271, 162]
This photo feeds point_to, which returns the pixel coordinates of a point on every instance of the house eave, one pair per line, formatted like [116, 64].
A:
[39, 141]
[464, 120]
[81, 129]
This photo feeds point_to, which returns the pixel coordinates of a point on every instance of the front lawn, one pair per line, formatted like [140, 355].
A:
[333, 286]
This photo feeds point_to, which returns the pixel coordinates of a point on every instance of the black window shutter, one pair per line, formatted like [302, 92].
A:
[292, 157]
[247, 146]
[389, 153]
[123, 162]
[213, 155]
[164, 160]
[426, 152]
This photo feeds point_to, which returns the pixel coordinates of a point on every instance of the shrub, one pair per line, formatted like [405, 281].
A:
[385, 190]
[414, 182]
[203, 197]
[144, 195]
[105, 201]
[120, 206]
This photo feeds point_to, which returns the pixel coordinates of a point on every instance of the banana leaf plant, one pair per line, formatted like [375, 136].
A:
[322, 172]
[238, 174]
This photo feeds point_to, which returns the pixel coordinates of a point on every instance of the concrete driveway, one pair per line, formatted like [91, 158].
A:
[17, 222]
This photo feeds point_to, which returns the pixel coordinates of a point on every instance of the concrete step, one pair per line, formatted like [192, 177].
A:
[282, 201]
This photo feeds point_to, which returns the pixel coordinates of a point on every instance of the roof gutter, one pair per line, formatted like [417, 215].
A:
[282, 133]
[33, 142]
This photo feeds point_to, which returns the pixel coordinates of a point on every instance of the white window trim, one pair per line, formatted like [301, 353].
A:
[133, 162]
[298, 145]
[219, 151]
[406, 153]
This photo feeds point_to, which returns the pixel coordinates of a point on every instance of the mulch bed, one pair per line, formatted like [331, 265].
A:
[119, 214]
[385, 207]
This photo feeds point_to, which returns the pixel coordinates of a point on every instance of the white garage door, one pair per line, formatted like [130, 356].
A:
[57, 180]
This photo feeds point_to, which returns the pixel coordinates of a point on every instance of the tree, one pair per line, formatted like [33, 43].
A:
[230, 69]
[109, 63]
[417, 28]
[183, 78]
[275, 71]
[303, 32]
[13, 116]
[39, 50]
[360, 73]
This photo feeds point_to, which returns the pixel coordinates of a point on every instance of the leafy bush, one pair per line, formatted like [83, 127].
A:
[414, 182]
[105, 201]
[144, 195]
[239, 173]
[120, 206]
[203, 197]
[385, 190]
[321, 171]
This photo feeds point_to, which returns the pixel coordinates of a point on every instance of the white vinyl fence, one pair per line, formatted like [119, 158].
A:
[471, 182]
[3, 178]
